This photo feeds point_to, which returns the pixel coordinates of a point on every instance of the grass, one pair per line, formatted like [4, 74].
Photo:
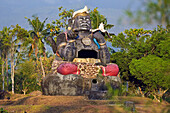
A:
[27, 108]
[70, 104]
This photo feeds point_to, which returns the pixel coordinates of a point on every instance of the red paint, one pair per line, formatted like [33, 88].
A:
[110, 70]
[67, 68]
[70, 68]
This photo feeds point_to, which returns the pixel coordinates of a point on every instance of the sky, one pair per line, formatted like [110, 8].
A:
[13, 12]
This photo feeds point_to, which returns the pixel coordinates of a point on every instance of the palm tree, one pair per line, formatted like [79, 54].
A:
[37, 43]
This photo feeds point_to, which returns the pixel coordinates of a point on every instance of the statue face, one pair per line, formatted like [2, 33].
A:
[82, 23]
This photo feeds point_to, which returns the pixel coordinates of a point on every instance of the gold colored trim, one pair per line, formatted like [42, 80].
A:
[61, 45]
[69, 28]
[81, 14]
[70, 41]
[86, 41]
[101, 44]
[86, 60]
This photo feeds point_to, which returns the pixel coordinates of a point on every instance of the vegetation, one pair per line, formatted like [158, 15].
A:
[143, 60]
[3, 111]
[152, 11]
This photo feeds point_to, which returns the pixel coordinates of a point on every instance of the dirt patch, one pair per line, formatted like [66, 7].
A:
[35, 93]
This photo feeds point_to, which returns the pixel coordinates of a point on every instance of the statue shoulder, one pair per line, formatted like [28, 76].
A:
[61, 35]
[98, 34]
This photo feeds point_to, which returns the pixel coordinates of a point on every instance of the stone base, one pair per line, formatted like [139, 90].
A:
[57, 84]
[75, 85]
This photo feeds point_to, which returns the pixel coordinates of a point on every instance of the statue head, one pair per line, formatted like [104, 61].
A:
[81, 20]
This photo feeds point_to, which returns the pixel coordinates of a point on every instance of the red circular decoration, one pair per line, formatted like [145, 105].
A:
[110, 70]
[67, 68]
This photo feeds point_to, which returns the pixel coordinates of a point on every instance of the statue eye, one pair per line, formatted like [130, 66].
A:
[80, 19]
[87, 19]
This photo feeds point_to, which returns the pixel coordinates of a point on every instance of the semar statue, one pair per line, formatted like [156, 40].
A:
[82, 61]
[80, 41]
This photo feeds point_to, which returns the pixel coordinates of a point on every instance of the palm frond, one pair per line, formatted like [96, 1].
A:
[30, 51]
[42, 24]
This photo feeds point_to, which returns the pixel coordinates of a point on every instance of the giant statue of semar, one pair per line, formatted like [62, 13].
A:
[82, 64]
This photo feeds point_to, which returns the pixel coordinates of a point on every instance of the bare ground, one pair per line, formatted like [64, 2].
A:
[19, 103]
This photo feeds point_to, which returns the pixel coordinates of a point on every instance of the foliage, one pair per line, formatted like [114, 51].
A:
[0, 73]
[36, 24]
[137, 43]
[0, 65]
[113, 92]
[4, 40]
[3, 111]
[97, 18]
[64, 15]
[141, 49]
[57, 26]
[26, 78]
[47, 63]
[166, 96]
[5, 45]
[151, 70]
[155, 10]
[37, 35]
[17, 36]
[29, 74]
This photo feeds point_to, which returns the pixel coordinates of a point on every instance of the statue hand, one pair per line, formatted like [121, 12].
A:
[71, 34]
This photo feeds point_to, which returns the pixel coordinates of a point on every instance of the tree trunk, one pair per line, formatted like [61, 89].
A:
[6, 60]
[12, 67]
[42, 67]
[3, 77]
[24, 91]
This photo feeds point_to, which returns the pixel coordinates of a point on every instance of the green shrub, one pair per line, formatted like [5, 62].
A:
[3, 111]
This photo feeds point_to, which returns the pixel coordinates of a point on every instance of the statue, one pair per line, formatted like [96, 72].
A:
[80, 41]
[81, 53]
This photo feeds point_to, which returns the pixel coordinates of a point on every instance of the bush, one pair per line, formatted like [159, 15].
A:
[3, 111]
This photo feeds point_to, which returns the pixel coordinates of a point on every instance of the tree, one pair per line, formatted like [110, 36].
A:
[1, 73]
[136, 44]
[17, 35]
[5, 45]
[37, 36]
[60, 24]
[97, 18]
[152, 71]
[154, 11]
[26, 77]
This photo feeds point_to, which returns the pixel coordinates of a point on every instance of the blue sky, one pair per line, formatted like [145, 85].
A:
[12, 12]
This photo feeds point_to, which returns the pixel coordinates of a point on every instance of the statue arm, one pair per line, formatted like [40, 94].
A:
[61, 43]
[104, 52]
[53, 44]
[99, 37]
